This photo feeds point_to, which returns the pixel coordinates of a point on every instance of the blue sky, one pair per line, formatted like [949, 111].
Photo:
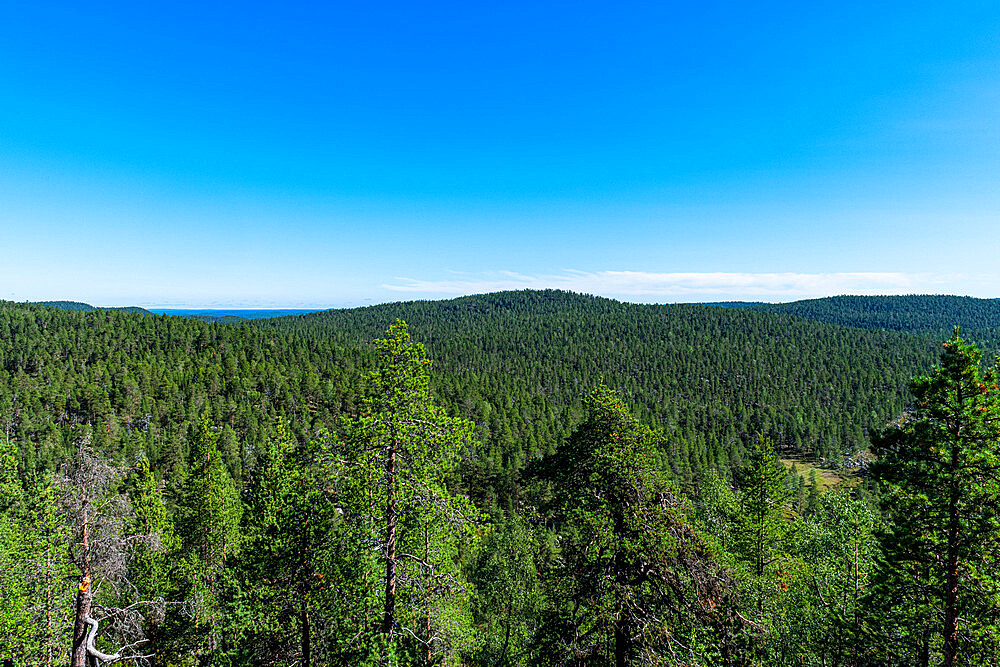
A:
[322, 155]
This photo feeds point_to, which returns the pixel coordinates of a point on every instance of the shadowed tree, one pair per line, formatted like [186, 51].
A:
[639, 585]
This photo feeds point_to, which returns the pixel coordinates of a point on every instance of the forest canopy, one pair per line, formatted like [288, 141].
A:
[554, 479]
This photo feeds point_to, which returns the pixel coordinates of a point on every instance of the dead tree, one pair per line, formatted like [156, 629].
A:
[98, 516]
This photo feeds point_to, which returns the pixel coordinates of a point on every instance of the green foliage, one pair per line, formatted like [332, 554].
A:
[508, 601]
[142, 383]
[16, 614]
[287, 578]
[764, 497]
[934, 314]
[823, 611]
[635, 583]
[298, 499]
[399, 456]
[210, 513]
[939, 474]
[517, 363]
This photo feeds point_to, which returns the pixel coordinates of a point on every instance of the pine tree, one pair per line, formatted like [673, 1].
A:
[288, 566]
[939, 475]
[401, 454]
[812, 500]
[637, 582]
[210, 527]
[764, 492]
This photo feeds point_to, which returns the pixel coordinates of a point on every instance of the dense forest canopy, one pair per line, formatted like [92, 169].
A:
[573, 480]
[517, 363]
[935, 314]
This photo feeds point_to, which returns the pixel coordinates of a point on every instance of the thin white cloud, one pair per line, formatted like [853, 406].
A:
[647, 286]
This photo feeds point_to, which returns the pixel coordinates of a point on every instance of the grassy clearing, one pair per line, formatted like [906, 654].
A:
[826, 477]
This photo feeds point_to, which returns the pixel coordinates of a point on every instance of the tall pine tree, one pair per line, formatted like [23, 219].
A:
[401, 456]
[939, 471]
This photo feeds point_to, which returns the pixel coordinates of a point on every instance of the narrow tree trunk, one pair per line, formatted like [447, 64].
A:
[389, 613]
[48, 604]
[305, 585]
[621, 645]
[427, 591]
[622, 629]
[762, 517]
[951, 577]
[84, 599]
[306, 635]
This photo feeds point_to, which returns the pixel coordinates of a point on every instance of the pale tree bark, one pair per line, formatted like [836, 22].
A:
[84, 597]
[102, 551]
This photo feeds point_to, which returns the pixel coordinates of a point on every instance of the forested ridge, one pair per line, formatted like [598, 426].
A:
[132, 382]
[518, 364]
[935, 314]
[572, 481]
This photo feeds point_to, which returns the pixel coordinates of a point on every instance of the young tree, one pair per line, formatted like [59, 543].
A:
[209, 523]
[286, 571]
[401, 454]
[508, 597]
[48, 565]
[939, 475]
[17, 622]
[149, 570]
[764, 493]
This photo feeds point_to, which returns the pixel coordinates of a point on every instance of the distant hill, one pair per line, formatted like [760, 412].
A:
[231, 315]
[131, 381]
[67, 305]
[86, 307]
[517, 363]
[920, 314]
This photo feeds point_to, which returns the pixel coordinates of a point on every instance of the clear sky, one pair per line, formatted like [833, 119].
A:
[330, 154]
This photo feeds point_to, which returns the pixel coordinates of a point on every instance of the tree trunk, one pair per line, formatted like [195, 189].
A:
[48, 604]
[84, 599]
[951, 576]
[389, 613]
[427, 591]
[306, 635]
[305, 586]
[622, 627]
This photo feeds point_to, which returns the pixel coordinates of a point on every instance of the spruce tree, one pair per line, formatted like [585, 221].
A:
[764, 494]
[210, 527]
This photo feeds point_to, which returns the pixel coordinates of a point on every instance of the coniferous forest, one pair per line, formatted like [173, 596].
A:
[519, 478]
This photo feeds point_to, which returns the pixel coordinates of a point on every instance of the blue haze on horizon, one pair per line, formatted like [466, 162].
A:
[206, 155]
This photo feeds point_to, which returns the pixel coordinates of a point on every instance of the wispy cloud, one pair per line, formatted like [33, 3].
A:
[647, 286]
